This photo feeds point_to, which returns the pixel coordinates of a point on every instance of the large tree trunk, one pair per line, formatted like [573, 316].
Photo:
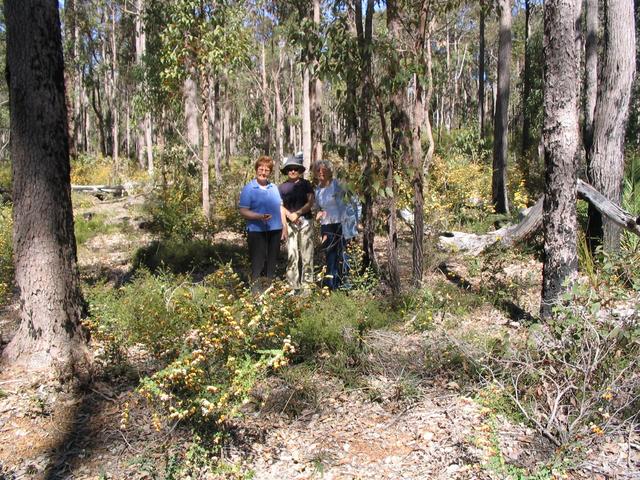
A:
[501, 123]
[144, 140]
[560, 133]
[50, 337]
[606, 157]
[266, 127]
[279, 111]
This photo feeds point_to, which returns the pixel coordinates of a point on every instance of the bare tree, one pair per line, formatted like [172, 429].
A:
[50, 337]
[560, 135]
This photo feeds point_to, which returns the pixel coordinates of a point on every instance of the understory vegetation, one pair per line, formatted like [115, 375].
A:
[203, 349]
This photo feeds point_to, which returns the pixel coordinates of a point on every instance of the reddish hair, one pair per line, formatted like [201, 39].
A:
[264, 160]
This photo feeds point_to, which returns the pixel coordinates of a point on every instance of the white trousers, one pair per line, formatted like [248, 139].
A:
[300, 255]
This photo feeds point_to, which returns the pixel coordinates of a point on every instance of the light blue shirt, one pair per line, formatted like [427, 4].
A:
[330, 199]
[260, 199]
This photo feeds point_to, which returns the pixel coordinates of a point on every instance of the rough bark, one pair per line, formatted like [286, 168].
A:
[501, 123]
[605, 159]
[560, 133]
[50, 337]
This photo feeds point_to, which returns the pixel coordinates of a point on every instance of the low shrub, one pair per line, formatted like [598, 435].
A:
[179, 256]
[577, 376]
[240, 339]
[336, 323]
[89, 227]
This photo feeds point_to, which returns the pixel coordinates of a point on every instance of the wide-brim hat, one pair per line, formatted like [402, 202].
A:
[293, 162]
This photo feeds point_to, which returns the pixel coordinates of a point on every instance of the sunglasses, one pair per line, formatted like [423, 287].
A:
[299, 170]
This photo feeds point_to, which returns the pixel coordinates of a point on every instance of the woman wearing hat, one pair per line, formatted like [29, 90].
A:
[297, 200]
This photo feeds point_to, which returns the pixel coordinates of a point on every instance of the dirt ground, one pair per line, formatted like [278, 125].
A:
[406, 422]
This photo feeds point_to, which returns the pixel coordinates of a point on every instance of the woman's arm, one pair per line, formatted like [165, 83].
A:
[251, 215]
[285, 228]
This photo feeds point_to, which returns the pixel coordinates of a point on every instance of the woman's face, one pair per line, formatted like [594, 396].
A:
[262, 174]
[324, 174]
[293, 174]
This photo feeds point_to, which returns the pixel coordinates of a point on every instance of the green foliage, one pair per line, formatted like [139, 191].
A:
[221, 338]
[87, 228]
[336, 322]
[6, 252]
[156, 311]
[630, 242]
[179, 256]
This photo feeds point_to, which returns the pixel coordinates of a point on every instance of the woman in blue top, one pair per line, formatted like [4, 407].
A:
[330, 200]
[260, 204]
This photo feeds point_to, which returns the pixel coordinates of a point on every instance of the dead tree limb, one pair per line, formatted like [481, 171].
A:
[474, 244]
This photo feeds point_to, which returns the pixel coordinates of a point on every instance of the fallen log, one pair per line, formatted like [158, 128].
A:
[509, 235]
[100, 190]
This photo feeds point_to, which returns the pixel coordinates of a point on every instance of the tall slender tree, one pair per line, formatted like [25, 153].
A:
[501, 122]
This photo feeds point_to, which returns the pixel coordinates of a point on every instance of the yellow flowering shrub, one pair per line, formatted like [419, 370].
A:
[218, 336]
[6, 252]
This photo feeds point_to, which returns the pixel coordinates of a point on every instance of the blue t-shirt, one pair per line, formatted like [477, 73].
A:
[262, 200]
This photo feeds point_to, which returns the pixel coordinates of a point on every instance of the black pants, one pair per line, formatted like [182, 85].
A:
[264, 248]
[333, 247]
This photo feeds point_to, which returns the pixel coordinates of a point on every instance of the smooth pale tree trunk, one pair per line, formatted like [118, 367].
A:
[50, 337]
[293, 130]
[481, 95]
[227, 126]
[191, 113]
[279, 111]
[501, 123]
[306, 118]
[144, 138]
[316, 97]
[266, 128]
[605, 160]
[115, 127]
[206, 146]
[560, 134]
[527, 138]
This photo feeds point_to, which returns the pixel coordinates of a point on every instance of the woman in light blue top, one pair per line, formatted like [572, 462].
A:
[260, 204]
[330, 199]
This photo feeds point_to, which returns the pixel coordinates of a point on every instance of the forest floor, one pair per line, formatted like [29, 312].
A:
[402, 420]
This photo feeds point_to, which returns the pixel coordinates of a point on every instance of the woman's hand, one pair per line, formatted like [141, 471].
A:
[285, 234]
[265, 217]
[320, 215]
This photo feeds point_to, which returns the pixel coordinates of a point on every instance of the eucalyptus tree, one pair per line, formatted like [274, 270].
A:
[205, 37]
[499, 195]
[50, 337]
[560, 136]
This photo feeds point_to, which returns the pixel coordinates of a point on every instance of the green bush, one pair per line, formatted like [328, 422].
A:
[6, 252]
[180, 256]
[87, 228]
[336, 323]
